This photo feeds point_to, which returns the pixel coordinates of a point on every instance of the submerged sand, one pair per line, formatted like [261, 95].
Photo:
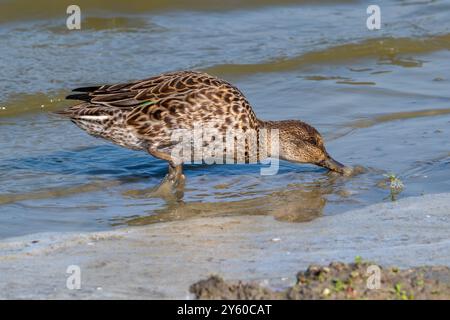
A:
[163, 260]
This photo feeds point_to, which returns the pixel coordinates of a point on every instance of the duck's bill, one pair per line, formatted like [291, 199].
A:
[333, 165]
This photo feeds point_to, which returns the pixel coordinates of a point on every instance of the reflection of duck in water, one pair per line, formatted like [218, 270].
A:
[295, 204]
[143, 115]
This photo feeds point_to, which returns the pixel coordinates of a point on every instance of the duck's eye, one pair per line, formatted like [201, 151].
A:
[313, 140]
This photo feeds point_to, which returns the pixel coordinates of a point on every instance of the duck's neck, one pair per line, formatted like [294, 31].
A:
[281, 124]
[272, 134]
[270, 124]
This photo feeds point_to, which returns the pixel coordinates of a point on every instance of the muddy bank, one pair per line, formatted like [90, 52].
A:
[162, 261]
[339, 280]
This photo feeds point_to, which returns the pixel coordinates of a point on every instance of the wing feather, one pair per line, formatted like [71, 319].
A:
[180, 86]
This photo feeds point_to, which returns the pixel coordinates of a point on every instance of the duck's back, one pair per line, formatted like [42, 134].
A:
[147, 112]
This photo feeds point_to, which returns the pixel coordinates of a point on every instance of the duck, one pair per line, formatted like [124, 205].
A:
[144, 114]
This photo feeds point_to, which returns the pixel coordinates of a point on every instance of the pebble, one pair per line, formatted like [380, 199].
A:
[326, 292]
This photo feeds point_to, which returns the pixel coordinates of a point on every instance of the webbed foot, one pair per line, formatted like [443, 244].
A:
[172, 186]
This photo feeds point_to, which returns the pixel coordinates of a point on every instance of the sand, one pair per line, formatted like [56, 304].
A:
[162, 261]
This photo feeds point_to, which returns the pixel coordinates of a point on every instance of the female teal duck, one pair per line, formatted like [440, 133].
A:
[143, 115]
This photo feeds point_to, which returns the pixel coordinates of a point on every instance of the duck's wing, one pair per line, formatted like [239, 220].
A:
[199, 100]
[180, 85]
[132, 94]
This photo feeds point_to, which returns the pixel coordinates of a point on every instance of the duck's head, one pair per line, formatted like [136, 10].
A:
[300, 142]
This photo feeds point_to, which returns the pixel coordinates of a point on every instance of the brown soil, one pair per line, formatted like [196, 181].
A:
[338, 281]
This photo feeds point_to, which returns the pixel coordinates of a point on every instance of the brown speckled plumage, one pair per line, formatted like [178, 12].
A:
[143, 114]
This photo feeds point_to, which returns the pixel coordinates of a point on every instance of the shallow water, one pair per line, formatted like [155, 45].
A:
[380, 98]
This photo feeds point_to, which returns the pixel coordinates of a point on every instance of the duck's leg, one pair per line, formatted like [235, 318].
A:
[175, 175]
[173, 182]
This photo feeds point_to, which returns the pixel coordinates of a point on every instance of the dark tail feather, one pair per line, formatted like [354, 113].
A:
[87, 89]
[82, 96]
[79, 96]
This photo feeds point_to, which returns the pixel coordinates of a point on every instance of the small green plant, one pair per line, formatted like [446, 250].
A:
[395, 185]
[401, 294]
[339, 285]
[358, 260]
